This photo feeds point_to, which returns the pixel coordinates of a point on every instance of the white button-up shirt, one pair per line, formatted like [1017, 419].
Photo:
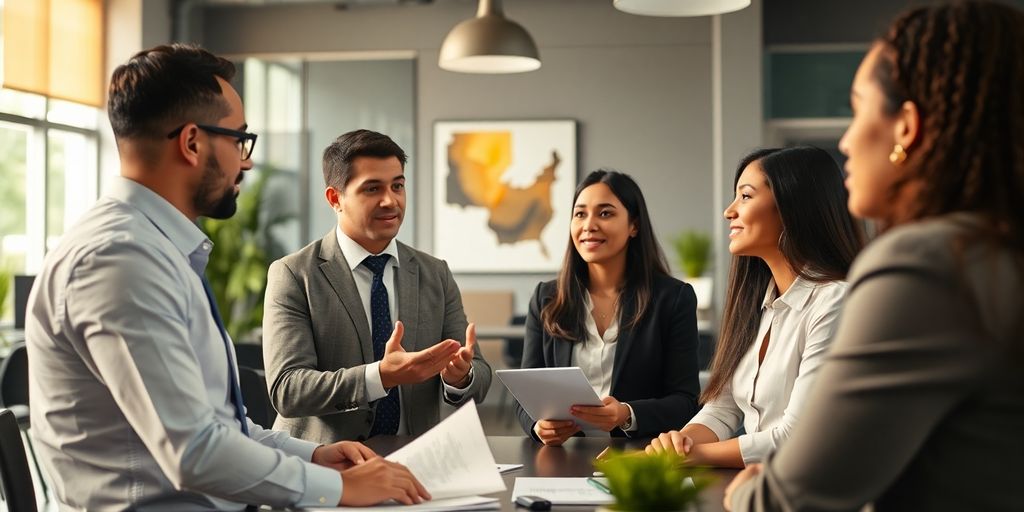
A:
[130, 394]
[766, 398]
[595, 355]
[363, 276]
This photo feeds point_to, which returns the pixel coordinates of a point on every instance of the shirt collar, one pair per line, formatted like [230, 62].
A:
[796, 297]
[182, 233]
[355, 253]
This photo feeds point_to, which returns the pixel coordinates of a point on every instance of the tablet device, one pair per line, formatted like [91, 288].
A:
[549, 393]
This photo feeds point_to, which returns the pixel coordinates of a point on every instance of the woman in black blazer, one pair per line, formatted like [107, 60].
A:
[615, 312]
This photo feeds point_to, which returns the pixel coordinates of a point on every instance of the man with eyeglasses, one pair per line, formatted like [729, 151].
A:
[135, 396]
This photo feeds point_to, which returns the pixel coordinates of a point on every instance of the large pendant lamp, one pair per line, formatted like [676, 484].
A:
[489, 43]
[680, 7]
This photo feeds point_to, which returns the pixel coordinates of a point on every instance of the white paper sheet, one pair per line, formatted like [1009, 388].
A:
[467, 503]
[549, 393]
[453, 459]
[506, 468]
[561, 491]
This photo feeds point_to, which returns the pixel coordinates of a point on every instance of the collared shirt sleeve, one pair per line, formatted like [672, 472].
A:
[374, 384]
[722, 415]
[755, 447]
[633, 427]
[453, 393]
[131, 306]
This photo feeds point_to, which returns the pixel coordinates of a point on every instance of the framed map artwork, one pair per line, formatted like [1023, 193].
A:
[502, 194]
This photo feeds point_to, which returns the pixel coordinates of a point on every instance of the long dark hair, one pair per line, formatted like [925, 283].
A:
[819, 241]
[962, 65]
[565, 316]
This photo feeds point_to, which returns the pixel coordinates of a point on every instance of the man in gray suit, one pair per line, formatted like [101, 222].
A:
[338, 366]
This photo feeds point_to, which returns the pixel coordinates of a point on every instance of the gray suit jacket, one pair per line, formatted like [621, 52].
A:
[920, 404]
[316, 341]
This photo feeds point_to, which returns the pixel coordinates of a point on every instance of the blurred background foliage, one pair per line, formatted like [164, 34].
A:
[244, 247]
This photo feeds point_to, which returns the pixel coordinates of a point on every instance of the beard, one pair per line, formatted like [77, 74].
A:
[209, 200]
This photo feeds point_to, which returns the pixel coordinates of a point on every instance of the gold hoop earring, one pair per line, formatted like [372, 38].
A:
[898, 155]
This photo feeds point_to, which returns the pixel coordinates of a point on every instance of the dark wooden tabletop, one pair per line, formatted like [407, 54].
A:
[574, 459]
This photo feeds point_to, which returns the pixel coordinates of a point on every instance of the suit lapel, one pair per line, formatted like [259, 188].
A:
[624, 343]
[621, 351]
[408, 293]
[563, 352]
[335, 268]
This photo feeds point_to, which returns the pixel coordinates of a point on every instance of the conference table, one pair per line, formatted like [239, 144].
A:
[573, 459]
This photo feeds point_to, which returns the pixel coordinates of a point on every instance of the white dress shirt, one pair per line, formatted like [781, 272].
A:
[363, 276]
[766, 398]
[130, 394]
[595, 355]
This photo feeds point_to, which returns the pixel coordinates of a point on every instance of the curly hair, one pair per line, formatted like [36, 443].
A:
[962, 65]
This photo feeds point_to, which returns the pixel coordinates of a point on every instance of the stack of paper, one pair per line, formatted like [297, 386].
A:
[453, 462]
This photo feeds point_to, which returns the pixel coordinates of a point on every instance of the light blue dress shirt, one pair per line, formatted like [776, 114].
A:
[129, 388]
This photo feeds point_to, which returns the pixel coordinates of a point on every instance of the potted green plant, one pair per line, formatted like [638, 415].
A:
[658, 482]
[238, 265]
[694, 251]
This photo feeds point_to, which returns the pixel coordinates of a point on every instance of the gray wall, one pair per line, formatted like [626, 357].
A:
[639, 87]
[344, 96]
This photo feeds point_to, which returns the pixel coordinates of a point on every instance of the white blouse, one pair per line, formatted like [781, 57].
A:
[596, 357]
[596, 354]
[766, 399]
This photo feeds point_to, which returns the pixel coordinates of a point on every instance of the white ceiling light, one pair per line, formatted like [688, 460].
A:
[680, 7]
[489, 43]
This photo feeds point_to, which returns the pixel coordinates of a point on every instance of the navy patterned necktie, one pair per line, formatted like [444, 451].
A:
[385, 421]
[236, 391]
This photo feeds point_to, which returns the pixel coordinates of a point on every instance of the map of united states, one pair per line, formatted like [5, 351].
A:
[476, 163]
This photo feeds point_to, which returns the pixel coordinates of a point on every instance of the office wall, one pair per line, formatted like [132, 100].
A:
[639, 87]
[347, 95]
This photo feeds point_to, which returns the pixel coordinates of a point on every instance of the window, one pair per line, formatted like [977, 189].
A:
[48, 175]
[49, 156]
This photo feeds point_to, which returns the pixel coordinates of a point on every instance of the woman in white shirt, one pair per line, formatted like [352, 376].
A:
[615, 312]
[793, 242]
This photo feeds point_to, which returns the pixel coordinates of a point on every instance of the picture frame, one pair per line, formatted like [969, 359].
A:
[502, 194]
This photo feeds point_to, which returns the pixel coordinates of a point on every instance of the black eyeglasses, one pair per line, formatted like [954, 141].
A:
[246, 141]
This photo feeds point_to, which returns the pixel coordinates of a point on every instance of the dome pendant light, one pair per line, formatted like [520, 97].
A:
[680, 7]
[489, 43]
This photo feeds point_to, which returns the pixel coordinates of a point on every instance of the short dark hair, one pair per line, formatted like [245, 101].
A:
[163, 87]
[339, 155]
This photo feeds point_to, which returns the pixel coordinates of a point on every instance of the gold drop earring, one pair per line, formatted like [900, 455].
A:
[898, 155]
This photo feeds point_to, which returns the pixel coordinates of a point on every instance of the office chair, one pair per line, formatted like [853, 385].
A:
[249, 355]
[254, 393]
[512, 355]
[14, 397]
[15, 478]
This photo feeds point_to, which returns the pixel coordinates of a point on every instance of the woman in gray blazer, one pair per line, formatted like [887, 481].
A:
[920, 405]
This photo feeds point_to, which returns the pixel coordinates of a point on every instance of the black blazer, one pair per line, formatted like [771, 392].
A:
[655, 368]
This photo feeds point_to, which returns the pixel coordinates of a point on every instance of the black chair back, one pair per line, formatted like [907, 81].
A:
[15, 478]
[249, 355]
[512, 350]
[14, 382]
[257, 400]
